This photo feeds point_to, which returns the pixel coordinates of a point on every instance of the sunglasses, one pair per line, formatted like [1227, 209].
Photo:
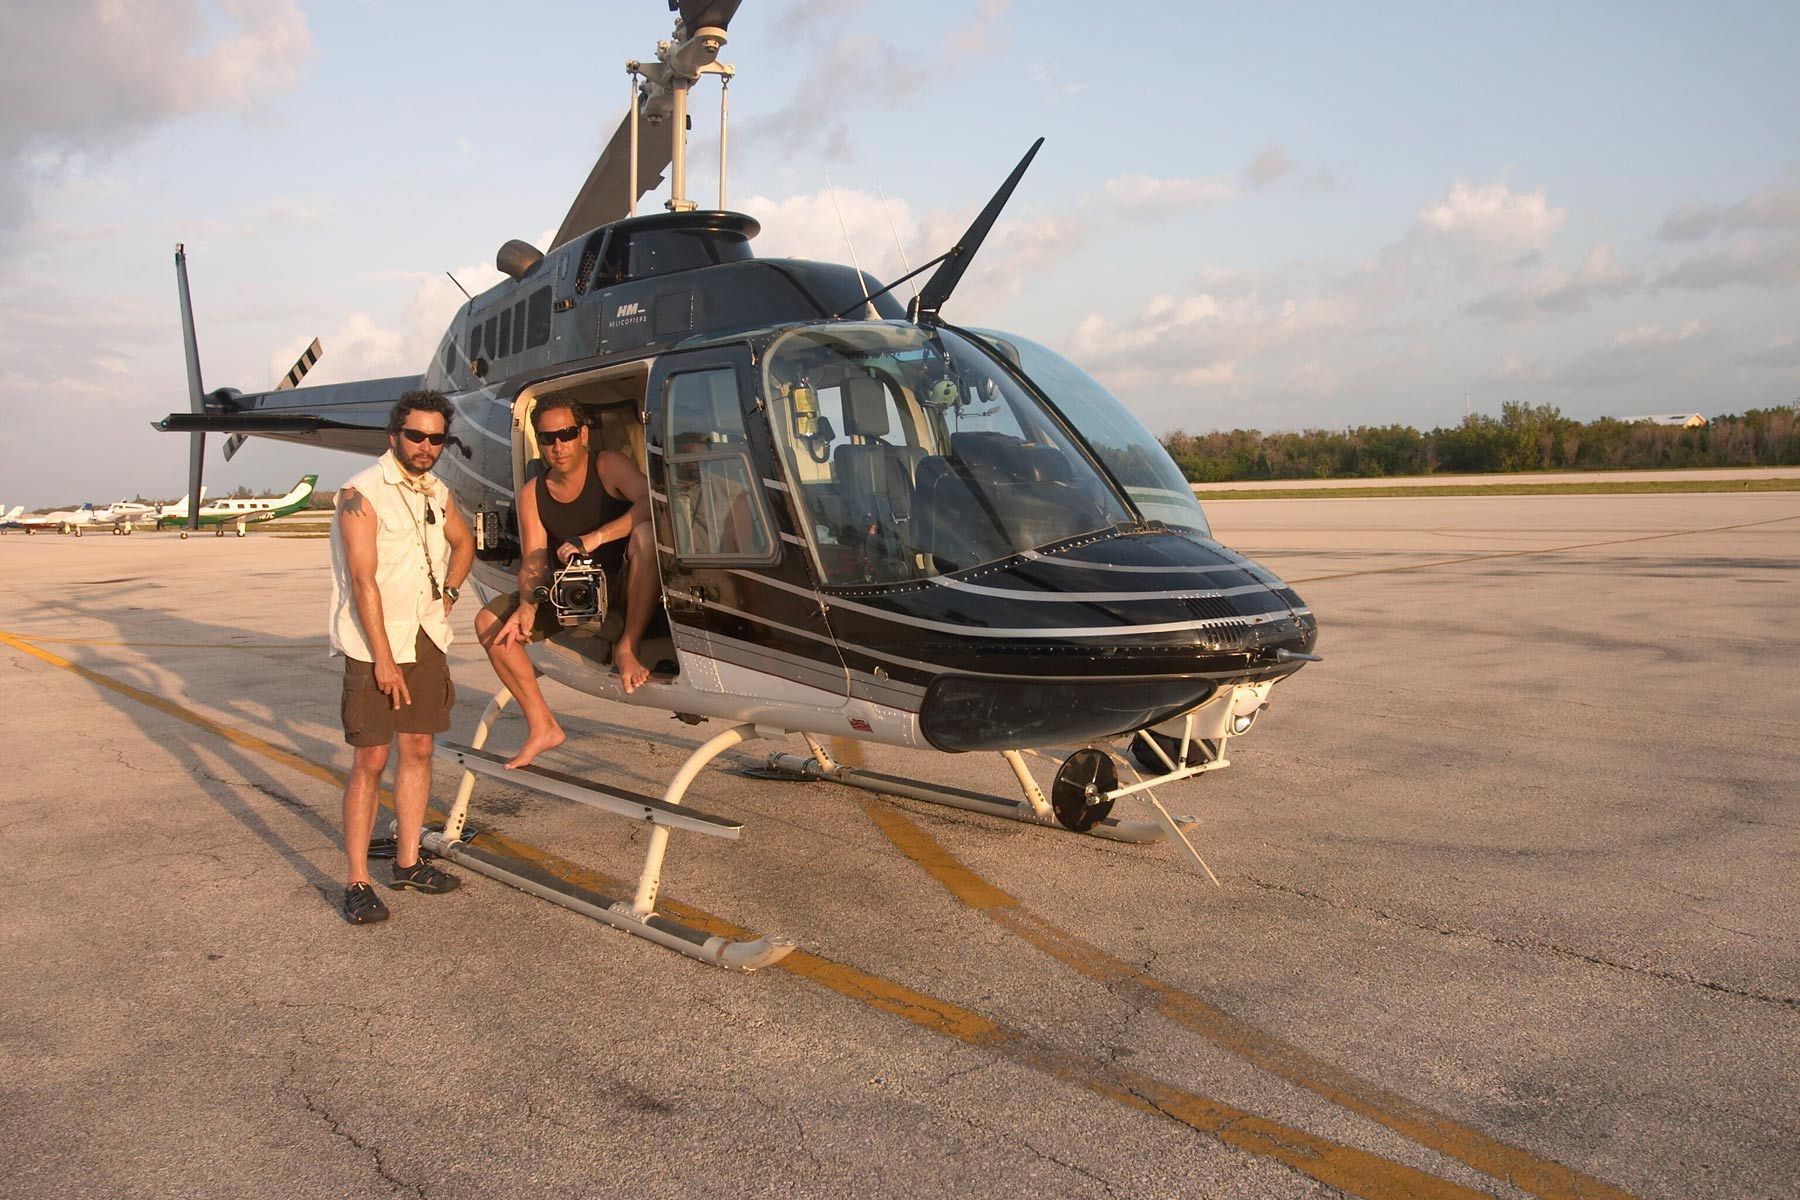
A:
[567, 433]
[416, 436]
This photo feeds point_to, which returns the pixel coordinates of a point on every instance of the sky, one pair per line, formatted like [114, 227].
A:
[1276, 217]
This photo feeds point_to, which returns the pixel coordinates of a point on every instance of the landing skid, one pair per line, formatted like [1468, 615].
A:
[1034, 809]
[637, 915]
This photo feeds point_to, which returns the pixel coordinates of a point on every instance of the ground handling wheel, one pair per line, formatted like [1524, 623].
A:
[1081, 783]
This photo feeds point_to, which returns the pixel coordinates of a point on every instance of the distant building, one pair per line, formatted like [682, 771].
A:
[1674, 420]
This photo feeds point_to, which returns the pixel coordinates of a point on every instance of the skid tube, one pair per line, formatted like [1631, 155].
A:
[636, 916]
[1034, 809]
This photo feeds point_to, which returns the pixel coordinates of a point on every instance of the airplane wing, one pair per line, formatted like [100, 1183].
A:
[338, 416]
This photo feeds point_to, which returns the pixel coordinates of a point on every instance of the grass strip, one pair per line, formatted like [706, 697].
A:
[1597, 488]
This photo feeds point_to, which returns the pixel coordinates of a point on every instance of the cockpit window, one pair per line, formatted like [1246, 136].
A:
[915, 453]
[1130, 451]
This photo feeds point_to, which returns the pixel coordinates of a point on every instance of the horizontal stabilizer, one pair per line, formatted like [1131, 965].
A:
[338, 416]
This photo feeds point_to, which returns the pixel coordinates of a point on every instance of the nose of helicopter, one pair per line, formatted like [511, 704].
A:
[1107, 634]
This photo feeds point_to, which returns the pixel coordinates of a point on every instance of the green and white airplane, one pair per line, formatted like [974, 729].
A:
[241, 514]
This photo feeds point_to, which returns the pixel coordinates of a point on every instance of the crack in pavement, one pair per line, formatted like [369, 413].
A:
[1530, 944]
[337, 1130]
[1073, 1168]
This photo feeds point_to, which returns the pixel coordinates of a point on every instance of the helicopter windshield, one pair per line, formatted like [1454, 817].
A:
[1130, 451]
[914, 452]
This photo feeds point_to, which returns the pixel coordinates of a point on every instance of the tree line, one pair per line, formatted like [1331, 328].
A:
[1523, 437]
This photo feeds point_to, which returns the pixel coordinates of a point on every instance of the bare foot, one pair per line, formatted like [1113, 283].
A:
[632, 673]
[535, 745]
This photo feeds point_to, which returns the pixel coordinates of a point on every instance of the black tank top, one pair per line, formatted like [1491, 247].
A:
[584, 514]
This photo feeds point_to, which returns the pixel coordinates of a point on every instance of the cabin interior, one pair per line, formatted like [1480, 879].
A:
[612, 402]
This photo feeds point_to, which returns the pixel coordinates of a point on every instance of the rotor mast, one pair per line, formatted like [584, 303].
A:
[663, 96]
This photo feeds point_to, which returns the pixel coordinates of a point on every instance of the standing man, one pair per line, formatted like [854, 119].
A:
[592, 502]
[400, 549]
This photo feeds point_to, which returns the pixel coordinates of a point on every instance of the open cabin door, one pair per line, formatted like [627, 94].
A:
[744, 608]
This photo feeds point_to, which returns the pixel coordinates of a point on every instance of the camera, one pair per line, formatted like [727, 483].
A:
[577, 592]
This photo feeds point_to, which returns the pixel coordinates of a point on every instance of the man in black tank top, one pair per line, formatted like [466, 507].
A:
[587, 502]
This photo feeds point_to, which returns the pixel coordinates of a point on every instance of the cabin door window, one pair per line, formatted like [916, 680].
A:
[715, 513]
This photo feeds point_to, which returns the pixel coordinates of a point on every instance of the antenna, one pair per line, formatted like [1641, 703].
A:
[904, 265]
[868, 302]
[460, 287]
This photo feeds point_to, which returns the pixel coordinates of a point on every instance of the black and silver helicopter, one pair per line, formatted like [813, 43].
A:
[871, 523]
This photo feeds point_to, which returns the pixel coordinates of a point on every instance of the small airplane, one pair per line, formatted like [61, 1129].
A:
[123, 515]
[238, 514]
[68, 520]
[871, 523]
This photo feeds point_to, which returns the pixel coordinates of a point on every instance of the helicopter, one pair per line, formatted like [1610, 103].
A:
[870, 523]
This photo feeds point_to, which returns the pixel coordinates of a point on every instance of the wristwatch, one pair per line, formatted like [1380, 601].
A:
[451, 592]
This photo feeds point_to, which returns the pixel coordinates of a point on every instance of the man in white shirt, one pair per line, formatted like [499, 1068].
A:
[400, 550]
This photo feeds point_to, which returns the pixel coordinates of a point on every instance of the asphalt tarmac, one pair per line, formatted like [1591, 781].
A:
[1508, 908]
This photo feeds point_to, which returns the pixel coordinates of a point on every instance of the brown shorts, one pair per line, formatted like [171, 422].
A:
[370, 718]
[506, 604]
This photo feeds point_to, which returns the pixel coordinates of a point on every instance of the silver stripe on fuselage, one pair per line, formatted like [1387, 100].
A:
[1027, 632]
[473, 474]
[1249, 568]
[1098, 597]
[1047, 633]
[475, 424]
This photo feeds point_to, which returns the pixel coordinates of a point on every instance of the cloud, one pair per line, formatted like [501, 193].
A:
[983, 33]
[1774, 208]
[1270, 164]
[366, 346]
[1019, 249]
[1556, 290]
[1783, 351]
[1148, 195]
[1490, 224]
[1645, 355]
[1517, 369]
[101, 73]
[1745, 261]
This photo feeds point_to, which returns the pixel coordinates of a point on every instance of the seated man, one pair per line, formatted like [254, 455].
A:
[586, 502]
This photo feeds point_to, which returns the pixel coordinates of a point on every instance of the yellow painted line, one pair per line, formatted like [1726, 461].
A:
[1472, 558]
[1347, 1168]
[38, 639]
[244, 741]
[1434, 1130]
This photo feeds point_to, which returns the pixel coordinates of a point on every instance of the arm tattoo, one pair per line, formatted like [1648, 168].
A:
[350, 501]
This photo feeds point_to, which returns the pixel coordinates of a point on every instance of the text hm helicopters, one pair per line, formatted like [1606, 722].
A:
[870, 523]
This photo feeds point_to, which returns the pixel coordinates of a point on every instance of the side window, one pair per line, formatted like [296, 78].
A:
[714, 496]
[537, 318]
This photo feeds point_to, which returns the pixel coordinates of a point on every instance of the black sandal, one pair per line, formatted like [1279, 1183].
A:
[362, 906]
[425, 878]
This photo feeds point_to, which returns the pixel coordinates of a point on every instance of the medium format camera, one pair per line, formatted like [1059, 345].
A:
[577, 592]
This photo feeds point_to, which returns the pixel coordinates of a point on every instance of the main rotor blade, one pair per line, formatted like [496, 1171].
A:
[196, 396]
[698, 14]
[605, 196]
[937, 289]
